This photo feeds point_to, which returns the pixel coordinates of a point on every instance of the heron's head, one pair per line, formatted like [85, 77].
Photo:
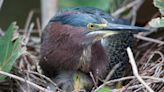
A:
[86, 28]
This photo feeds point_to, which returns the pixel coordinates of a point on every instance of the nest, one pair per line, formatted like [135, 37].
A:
[148, 56]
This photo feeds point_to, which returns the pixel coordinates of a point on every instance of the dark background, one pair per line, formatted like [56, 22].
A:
[18, 10]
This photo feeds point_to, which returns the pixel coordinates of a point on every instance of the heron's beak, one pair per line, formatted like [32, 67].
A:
[110, 29]
[121, 27]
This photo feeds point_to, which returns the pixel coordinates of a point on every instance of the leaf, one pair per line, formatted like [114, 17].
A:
[106, 5]
[157, 22]
[101, 4]
[159, 4]
[10, 49]
[104, 89]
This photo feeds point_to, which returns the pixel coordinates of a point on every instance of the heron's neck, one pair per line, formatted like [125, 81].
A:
[85, 58]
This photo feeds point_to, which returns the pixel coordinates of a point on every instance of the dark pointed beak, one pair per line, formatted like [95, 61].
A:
[120, 27]
[110, 29]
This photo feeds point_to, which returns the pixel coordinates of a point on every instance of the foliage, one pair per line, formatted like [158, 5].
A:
[102, 4]
[106, 5]
[10, 49]
[159, 4]
[115, 4]
[104, 89]
[158, 22]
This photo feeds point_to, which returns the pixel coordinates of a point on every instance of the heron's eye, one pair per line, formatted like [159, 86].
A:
[94, 25]
[91, 26]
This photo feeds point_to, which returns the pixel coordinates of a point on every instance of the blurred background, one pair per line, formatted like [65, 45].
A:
[42, 10]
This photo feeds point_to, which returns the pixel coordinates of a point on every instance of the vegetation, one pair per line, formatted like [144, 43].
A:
[158, 22]
[10, 49]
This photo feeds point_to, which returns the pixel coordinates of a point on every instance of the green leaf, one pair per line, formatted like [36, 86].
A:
[159, 4]
[106, 5]
[104, 89]
[10, 49]
[157, 22]
[101, 4]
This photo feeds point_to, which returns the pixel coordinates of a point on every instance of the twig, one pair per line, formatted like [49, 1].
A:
[122, 9]
[136, 86]
[27, 36]
[38, 26]
[93, 79]
[147, 62]
[135, 70]
[128, 78]
[134, 11]
[134, 16]
[26, 81]
[43, 76]
[1, 33]
[27, 74]
[149, 39]
[79, 91]
[112, 71]
[30, 15]
[161, 55]
[20, 86]
[48, 10]
[1, 2]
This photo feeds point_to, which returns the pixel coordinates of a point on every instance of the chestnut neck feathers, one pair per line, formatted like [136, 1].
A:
[61, 50]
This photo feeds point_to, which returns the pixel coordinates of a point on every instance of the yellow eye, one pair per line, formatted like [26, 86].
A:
[91, 26]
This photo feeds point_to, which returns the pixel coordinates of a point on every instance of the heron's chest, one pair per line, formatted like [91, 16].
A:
[85, 59]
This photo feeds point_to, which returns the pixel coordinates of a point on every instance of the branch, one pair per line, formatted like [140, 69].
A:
[122, 9]
[135, 70]
[112, 71]
[48, 10]
[1, 2]
[25, 81]
[29, 18]
[27, 35]
[43, 76]
[38, 26]
[149, 39]
[93, 79]
[128, 78]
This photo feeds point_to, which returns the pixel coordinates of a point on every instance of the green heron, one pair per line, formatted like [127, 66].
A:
[115, 46]
[79, 41]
